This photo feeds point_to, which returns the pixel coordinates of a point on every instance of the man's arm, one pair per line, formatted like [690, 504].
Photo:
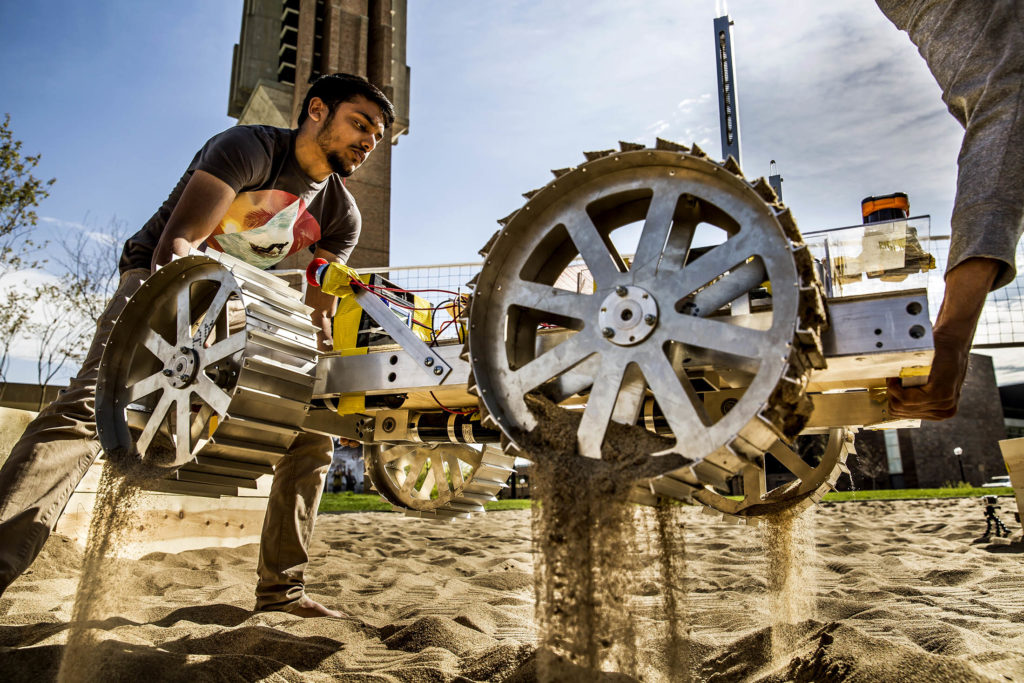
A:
[323, 305]
[198, 212]
[967, 286]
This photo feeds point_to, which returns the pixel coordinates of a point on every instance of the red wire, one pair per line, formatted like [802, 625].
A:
[399, 289]
[449, 410]
[373, 290]
[457, 308]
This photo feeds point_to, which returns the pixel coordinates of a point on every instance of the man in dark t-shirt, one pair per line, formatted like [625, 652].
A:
[259, 194]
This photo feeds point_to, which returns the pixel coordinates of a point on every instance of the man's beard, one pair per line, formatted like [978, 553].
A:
[338, 165]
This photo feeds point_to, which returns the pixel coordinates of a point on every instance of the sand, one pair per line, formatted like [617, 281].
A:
[892, 591]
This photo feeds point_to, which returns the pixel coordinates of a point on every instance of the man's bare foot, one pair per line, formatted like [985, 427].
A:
[308, 608]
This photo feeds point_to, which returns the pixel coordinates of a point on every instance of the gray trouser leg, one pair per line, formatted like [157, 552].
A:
[53, 454]
[291, 515]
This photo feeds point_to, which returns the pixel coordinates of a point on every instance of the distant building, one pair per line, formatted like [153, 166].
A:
[286, 44]
[1012, 396]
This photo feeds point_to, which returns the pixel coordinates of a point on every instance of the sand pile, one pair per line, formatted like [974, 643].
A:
[902, 591]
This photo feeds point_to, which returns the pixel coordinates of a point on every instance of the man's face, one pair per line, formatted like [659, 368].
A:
[349, 134]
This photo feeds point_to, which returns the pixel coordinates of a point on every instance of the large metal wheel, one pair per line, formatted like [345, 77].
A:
[811, 480]
[210, 367]
[442, 480]
[650, 318]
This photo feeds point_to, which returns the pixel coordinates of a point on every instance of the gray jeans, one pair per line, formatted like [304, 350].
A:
[975, 50]
[58, 447]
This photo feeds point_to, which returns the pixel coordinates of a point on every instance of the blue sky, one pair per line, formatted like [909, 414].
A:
[117, 96]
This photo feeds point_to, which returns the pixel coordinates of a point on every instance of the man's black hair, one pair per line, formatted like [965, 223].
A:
[334, 89]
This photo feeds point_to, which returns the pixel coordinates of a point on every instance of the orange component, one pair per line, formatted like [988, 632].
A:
[870, 205]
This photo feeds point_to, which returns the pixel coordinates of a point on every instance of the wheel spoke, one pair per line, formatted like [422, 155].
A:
[440, 480]
[656, 231]
[156, 419]
[211, 394]
[604, 263]
[678, 244]
[455, 470]
[415, 469]
[754, 486]
[599, 410]
[714, 335]
[183, 430]
[184, 316]
[707, 267]
[678, 402]
[222, 349]
[145, 387]
[631, 396]
[212, 314]
[156, 345]
[554, 362]
[199, 422]
[738, 282]
[389, 455]
[547, 299]
[792, 461]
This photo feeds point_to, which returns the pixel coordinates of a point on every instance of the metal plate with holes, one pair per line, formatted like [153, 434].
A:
[387, 372]
[874, 324]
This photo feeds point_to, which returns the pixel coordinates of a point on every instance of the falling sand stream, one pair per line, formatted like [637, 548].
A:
[101, 586]
[788, 541]
[609, 576]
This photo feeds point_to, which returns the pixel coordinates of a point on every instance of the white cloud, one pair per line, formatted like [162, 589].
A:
[62, 224]
[25, 281]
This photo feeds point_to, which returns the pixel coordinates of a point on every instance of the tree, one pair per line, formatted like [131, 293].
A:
[20, 193]
[871, 462]
[67, 310]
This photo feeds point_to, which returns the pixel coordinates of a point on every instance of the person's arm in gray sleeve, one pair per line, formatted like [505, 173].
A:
[975, 50]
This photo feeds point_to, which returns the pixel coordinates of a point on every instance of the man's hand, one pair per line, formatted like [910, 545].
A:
[324, 306]
[938, 398]
[967, 285]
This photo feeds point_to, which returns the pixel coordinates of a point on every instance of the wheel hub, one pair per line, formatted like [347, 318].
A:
[181, 369]
[628, 315]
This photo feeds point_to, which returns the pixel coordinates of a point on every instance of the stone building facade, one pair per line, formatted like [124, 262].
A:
[286, 44]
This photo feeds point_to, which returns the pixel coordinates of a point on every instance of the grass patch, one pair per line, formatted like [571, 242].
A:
[353, 502]
[371, 502]
[906, 494]
[509, 504]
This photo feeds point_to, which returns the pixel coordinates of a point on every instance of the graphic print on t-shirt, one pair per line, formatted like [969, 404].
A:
[263, 227]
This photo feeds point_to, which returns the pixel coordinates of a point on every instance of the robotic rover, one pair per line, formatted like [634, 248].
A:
[729, 350]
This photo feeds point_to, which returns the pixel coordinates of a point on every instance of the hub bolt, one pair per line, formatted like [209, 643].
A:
[168, 372]
[650, 319]
[621, 291]
[608, 332]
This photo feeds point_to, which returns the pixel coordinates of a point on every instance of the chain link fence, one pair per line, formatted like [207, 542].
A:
[1001, 324]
